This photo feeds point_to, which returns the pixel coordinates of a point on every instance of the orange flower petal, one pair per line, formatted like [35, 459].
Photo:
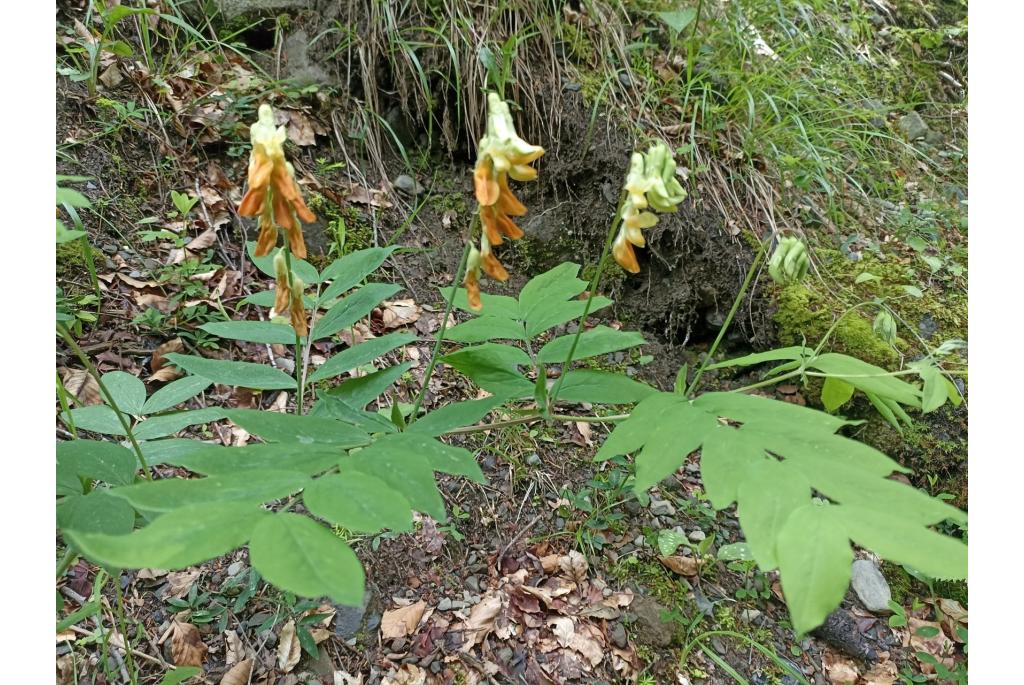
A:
[298, 318]
[521, 172]
[297, 242]
[252, 203]
[493, 267]
[507, 202]
[285, 185]
[488, 217]
[283, 215]
[486, 185]
[260, 168]
[267, 239]
[281, 298]
[472, 284]
[623, 252]
[508, 227]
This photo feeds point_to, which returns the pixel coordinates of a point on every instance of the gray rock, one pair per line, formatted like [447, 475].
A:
[473, 583]
[662, 507]
[696, 535]
[749, 615]
[235, 568]
[650, 629]
[871, 587]
[878, 111]
[533, 460]
[349, 620]
[299, 67]
[912, 126]
[618, 635]
[408, 185]
[934, 138]
[445, 604]
[230, 9]
[927, 326]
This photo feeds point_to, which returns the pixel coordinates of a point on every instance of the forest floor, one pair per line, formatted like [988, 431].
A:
[844, 123]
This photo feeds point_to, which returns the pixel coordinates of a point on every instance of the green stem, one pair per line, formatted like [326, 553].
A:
[595, 283]
[728, 319]
[65, 561]
[84, 358]
[300, 380]
[690, 50]
[450, 304]
[65, 406]
[750, 641]
[129, 660]
[536, 416]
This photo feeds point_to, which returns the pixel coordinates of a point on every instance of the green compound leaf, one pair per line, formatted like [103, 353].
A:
[358, 392]
[244, 374]
[602, 387]
[184, 537]
[769, 457]
[351, 269]
[98, 418]
[252, 331]
[363, 353]
[358, 502]
[297, 457]
[307, 430]
[835, 393]
[353, 308]
[814, 564]
[501, 306]
[96, 460]
[169, 424]
[302, 557]
[407, 461]
[494, 368]
[96, 512]
[597, 341]
[174, 393]
[452, 416]
[485, 328]
[303, 269]
[255, 486]
[128, 391]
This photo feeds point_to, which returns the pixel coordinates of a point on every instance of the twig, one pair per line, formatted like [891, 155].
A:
[141, 655]
[522, 531]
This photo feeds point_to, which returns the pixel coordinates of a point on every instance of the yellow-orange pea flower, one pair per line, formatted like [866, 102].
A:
[472, 279]
[298, 311]
[273, 194]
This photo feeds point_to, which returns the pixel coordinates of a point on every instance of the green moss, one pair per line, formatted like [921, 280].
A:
[805, 316]
[663, 585]
[580, 46]
[901, 584]
[952, 589]
[72, 263]
[345, 228]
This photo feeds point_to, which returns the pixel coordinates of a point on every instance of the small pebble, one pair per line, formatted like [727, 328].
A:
[473, 583]
[445, 604]
[533, 460]
[235, 568]
[696, 535]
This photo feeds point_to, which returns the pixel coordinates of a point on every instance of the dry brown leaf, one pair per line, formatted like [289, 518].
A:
[840, 671]
[159, 302]
[574, 566]
[288, 649]
[363, 196]
[408, 674]
[399, 313]
[563, 629]
[584, 430]
[234, 648]
[346, 678]
[939, 646]
[165, 375]
[202, 241]
[159, 360]
[300, 128]
[953, 609]
[151, 573]
[67, 636]
[588, 642]
[684, 566]
[180, 582]
[82, 386]
[239, 674]
[481, 619]
[187, 648]
[111, 77]
[402, 621]
[66, 669]
[882, 673]
[136, 283]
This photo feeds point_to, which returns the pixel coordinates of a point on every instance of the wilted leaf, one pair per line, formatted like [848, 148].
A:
[684, 566]
[158, 361]
[82, 386]
[180, 582]
[239, 674]
[932, 641]
[840, 671]
[399, 313]
[408, 674]
[402, 621]
[111, 77]
[882, 673]
[481, 619]
[574, 565]
[202, 241]
[234, 648]
[187, 648]
[288, 648]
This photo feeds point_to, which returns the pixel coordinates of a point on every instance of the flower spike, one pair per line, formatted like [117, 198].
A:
[273, 194]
